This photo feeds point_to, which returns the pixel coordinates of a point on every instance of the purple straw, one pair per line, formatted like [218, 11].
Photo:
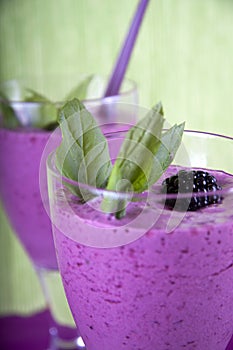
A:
[125, 53]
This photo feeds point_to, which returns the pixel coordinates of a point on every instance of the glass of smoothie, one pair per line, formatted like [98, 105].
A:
[161, 276]
[22, 145]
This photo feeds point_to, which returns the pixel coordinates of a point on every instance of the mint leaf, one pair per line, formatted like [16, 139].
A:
[45, 111]
[144, 156]
[8, 117]
[41, 113]
[83, 154]
[34, 96]
[170, 142]
[80, 91]
[135, 159]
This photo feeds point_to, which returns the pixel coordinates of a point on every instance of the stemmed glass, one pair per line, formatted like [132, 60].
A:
[157, 278]
[20, 155]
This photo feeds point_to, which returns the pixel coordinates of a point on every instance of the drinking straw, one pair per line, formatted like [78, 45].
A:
[126, 50]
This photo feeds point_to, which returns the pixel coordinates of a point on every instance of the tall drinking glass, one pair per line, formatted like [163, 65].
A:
[157, 278]
[20, 155]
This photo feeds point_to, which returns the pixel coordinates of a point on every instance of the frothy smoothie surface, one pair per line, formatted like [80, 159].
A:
[20, 156]
[168, 289]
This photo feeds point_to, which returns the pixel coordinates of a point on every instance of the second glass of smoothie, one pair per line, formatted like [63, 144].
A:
[20, 156]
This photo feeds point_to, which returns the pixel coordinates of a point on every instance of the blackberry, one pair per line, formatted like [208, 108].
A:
[192, 182]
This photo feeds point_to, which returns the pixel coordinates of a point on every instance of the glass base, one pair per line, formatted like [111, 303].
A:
[61, 343]
[63, 333]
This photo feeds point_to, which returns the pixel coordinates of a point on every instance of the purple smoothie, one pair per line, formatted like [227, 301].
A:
[163, 291]
[20, 155]
[21, 152]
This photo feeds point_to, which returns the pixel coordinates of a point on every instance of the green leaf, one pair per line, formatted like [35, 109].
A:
[8, 116]
[83, 154]
[45, 112]
[136, 158]
[80, 91]
[34, 96]
[42, 112]
[170, 142]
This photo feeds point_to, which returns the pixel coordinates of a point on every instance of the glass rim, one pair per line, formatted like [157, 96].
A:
[103, 99]
[153, 190]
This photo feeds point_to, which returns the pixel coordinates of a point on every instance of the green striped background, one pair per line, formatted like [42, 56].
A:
[183, 56]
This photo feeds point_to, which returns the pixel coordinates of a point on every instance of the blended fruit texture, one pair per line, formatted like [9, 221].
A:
[163, 291]
[20, 156]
